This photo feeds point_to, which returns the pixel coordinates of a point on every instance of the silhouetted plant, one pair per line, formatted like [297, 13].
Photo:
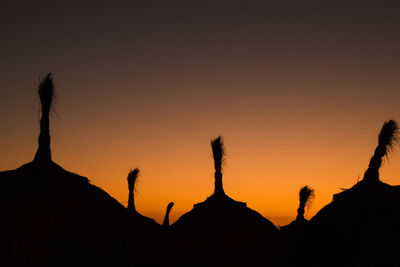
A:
[387, 139]
[166, 218]
[132, 177]
[306, 196]
[46, 94]
[218, 154]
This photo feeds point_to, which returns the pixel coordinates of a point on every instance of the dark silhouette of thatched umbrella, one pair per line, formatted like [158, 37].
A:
[139, 218]
[150, 230]
[361, 225]
[296, 232]
[221, 231]
[52, 217]
[306, 195]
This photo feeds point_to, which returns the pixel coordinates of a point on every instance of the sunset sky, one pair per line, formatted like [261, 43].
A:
[298, 91]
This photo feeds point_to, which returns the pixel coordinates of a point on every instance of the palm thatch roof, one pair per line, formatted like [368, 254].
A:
[360, 225]
[141, 220]
[295, 233]
[52, 217]
[306, 195]
[222, 231]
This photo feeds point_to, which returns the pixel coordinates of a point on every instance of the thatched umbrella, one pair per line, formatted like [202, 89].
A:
[150, 230]
[52, 217]
[296, 232]
[306, 195]
[164, 249]
[360, 225]
[222, 231]
[132, 178]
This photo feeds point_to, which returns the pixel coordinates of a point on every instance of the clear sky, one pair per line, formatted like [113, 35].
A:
[299, 92]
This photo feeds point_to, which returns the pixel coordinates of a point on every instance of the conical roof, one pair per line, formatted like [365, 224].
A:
[52, 217]
[361, 224]
[222, 231]
[294, 234]
[306, 194]
[140, 219]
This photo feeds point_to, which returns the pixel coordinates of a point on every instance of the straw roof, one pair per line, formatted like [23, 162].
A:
[52, 217]
[360, 225]
[222, 231]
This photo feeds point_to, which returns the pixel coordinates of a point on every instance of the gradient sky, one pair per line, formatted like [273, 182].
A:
[299, 92]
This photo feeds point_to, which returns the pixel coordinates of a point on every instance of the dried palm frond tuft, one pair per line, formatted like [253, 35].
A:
[132, 177]
[218, 153]
[387, 139]
[218, 150]
[306, 196]
[46, 95]
[46, 92]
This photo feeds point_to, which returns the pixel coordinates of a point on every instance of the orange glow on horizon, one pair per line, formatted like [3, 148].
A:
[266, 173]
[298, 91]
